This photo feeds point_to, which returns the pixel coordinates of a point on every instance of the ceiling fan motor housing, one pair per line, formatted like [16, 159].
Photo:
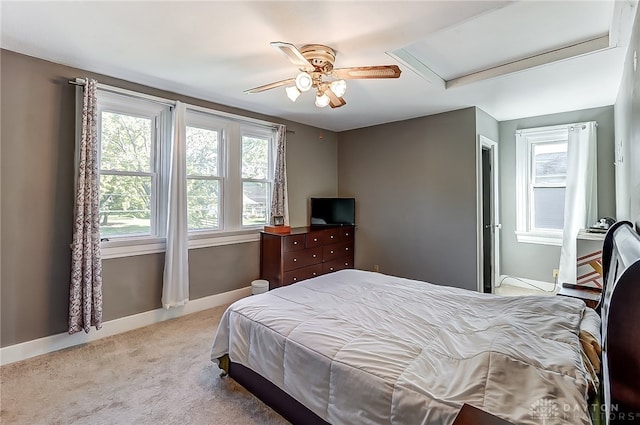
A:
[320, 56]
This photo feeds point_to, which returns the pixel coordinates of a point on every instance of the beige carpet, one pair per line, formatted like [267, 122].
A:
[515, 291]
[160, 374]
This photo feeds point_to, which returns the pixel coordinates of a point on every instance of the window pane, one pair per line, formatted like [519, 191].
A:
[548, 203]
[125, 205]
[550, 163]
[203, 204]
[254, 203]
[255, 158]
[202, 152]
[125, 142]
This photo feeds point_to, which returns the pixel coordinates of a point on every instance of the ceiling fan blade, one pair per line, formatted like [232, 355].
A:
[382, 71]
[294, 55]
[271, 86]
[334, 101]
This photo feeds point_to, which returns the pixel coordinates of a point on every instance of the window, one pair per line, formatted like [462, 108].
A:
[541, 182]
[204, 173]
[229, 173]
[257, 178]
[129, 137]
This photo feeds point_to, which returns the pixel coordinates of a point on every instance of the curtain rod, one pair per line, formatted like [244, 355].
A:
[171, 103]
[117, 90]
[553, 127]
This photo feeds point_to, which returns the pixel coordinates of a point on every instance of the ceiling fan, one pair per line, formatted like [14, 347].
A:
[315, 63]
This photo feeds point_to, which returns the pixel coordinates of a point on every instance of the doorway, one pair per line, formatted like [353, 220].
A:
[488, 215]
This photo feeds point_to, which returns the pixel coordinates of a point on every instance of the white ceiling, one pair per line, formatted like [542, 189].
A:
[215, 50]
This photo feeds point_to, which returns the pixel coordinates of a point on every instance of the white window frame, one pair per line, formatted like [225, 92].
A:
[199, 119]
[525, 141]
[159, 114]
[233, 128]
[231, 230]
[259, 133]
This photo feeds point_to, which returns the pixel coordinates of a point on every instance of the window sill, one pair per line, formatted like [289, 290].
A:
[539, 238]
[118, 249]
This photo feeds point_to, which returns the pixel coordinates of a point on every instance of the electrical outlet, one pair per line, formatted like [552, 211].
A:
[376, 268]
[555, 273]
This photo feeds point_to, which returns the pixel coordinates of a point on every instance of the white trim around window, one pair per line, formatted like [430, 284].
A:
[230, 127]
[526, 139]
[118, 249]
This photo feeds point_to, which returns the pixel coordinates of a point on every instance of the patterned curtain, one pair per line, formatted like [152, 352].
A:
[85, 298]
[280, 198]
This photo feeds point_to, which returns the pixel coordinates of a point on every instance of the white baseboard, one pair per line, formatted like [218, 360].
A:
[526, 283]
[36, 347]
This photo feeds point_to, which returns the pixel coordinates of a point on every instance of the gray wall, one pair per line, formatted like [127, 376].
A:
[37, 152]
[415, 184]
[535, 261]
[486, 126]
[312, 169]
[627, 124]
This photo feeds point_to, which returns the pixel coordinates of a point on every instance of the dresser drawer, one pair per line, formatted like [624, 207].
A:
[339, 264]
[332, 252]
[303, 273]
[293, 242]
[346, 234]
[298, 259]
[330, 236]
[313, 239]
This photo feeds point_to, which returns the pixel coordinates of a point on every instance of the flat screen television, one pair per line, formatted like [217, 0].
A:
[333, 211]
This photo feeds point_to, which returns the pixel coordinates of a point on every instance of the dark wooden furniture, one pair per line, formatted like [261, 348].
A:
[590, 296]
[620, 318]
[287, 406]
[304, 253]
[470, 415]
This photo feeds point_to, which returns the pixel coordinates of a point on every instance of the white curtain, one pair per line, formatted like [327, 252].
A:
[581, 196]
[175, 290]
[85, 291]
[279, 200]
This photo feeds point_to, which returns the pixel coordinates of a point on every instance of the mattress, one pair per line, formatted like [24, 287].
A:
[357, 347]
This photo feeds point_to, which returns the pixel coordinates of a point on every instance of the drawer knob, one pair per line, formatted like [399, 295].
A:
[331, 268]
[295, 242]
[346, 264]
[331, 236]
[314, 273]
[331, 251]
[315, 239]
[346, 249]
[295, 259]
[346, 234]
[314, 255]
[295, 279]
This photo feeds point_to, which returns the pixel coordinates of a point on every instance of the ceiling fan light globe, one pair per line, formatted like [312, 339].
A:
[338, 87]
[322, 100]
[304, 81]
[292, 93]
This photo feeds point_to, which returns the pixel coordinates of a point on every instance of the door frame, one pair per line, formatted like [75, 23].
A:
[486, 143]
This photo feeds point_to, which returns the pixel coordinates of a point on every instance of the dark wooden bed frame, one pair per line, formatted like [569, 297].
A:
[621, 323]
[620, 310]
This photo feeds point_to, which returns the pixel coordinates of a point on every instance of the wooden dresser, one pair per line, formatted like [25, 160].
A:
[304, 253]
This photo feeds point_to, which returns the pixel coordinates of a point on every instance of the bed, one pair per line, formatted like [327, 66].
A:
[357, 347]
[621, 324]
[354, 347]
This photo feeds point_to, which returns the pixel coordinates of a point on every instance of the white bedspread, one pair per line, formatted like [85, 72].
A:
[366, 348]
